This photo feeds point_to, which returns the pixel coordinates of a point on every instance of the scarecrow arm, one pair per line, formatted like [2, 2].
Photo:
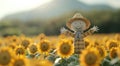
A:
[66, 32]
[91, 31]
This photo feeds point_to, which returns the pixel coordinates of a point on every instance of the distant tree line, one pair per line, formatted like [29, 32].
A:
[107, 21]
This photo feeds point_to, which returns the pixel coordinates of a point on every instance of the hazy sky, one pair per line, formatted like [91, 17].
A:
[112, 3]
[12, 6]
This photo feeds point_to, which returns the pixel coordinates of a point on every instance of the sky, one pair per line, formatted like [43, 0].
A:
[112, 3]
[12, 6]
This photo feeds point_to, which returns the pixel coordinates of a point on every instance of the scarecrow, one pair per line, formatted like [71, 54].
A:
[77, 26]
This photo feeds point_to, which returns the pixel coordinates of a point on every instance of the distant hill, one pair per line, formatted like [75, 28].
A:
[55, 9]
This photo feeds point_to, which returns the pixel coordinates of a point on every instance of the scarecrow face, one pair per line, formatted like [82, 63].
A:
[78, 25]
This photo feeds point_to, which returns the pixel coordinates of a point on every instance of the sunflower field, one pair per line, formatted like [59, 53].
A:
[42, 50]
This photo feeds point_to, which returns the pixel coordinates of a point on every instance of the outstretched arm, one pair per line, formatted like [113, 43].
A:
[91, 31]
[66, 32]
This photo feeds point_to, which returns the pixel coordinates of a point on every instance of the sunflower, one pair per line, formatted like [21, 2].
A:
[14, 39]
[111, 44]
[42, 36]
[5, 56]
[26, 42]
[32, 48]
[65, 48]
[90, 57]
[102, 51]
[41, 62]
[87, 42]
[105, 39]
[62, 36]
[117, 37]
[71, 39]
[12, 45]
[113, 53]
[0, 43]
[19, 61]
[96, 43]
[118, 52]
[44, 46]
[19, 50]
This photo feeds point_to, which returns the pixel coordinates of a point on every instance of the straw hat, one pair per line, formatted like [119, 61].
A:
[78, 16]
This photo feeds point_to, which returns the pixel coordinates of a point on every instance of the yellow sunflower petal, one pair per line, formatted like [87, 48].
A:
[65, 48]
[90, 57]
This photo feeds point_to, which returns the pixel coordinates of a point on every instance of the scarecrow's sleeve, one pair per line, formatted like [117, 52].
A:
[91, 31]
[67, 32]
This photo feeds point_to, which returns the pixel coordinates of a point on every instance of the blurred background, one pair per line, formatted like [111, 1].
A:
[32, 17]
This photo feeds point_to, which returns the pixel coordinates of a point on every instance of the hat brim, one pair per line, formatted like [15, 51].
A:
[87, 22]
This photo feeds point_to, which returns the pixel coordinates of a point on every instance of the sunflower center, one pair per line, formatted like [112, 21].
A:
[86, 43]
[90, 58]
[112, 44]
[25, 43]
[114, 54]
[44, 47]
[14, 40]
[101, 51]
[33, 48]
[65, 48]
[19, 62]
[5, 57]
[96, 44]
[20, 51]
